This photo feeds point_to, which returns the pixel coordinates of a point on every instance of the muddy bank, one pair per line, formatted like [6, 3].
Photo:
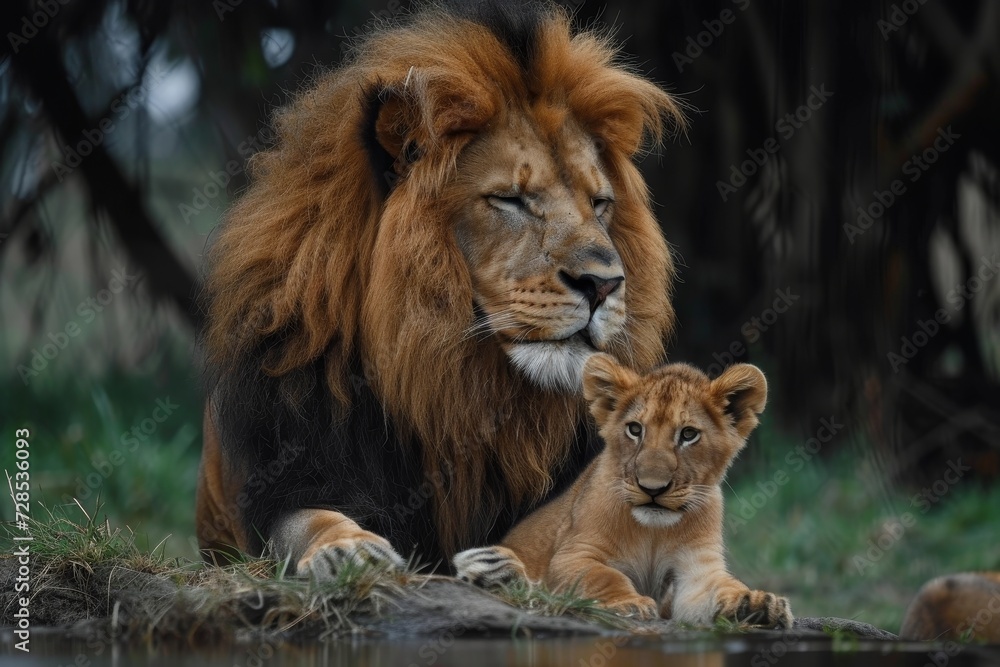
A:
[211, 605]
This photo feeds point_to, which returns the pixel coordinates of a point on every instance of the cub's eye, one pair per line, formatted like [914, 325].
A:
[600, 205]
[633, 430]
[689, 435]
[509, 203]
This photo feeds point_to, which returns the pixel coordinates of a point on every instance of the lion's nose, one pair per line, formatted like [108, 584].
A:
[652, 492]
[595, 288]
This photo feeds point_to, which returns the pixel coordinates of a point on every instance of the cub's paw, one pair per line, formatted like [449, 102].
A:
[489, 567]
[326, 561]
[757, 608]
[641, 607]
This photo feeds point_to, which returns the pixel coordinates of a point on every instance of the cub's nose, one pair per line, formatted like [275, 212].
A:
[654, 491]
[595, 288]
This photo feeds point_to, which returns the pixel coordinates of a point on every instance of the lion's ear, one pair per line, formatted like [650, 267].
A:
[741, 392]
[417, 114]
[387, 135]
[605, 381]
[393, 120]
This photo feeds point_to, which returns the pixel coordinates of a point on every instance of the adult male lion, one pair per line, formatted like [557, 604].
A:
[400, 306]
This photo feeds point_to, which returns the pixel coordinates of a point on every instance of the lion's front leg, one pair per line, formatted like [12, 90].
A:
[321, 542]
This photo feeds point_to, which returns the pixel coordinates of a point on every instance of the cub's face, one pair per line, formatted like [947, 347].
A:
[535, 213]
[673, 432]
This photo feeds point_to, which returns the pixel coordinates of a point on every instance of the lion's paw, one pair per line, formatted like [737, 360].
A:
[489, 567]
[328, 560]
[640, 607]
[758, 608]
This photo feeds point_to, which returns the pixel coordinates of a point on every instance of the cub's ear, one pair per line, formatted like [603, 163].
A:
[741, 392]
[604, 383]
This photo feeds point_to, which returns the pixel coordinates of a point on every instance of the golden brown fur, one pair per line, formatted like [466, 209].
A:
[641, 529]
[956, 606]
[219, 530]
[313, 256]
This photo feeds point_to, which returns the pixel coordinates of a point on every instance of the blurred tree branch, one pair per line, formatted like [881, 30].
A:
[39, 68]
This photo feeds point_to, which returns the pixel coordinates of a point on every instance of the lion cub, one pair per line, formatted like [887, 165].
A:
[646, 515]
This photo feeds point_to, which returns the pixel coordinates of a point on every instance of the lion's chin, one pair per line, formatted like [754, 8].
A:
[656, 516]
[552, 365]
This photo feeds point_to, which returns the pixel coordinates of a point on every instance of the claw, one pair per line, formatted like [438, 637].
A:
[327, 561]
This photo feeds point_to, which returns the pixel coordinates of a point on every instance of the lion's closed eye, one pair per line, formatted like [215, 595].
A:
[508, 203]
[601, 205]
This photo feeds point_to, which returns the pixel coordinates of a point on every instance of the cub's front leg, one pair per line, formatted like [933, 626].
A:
[741, 604]
[590, 577]
[490, 567]
[706, 591]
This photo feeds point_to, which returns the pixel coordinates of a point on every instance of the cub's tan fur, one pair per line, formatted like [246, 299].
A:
[641, 528]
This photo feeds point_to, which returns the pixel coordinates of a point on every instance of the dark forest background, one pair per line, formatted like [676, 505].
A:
[834, 208]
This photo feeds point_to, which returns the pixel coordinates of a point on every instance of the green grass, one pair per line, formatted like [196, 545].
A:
[811, 540]
[540, 600]
[74, 549]
[77, 425]
[60, 541]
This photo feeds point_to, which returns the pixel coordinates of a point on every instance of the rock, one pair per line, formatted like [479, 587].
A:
[829, 624]
[448, 605]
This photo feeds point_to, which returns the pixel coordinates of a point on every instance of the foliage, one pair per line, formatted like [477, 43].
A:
[833, 540]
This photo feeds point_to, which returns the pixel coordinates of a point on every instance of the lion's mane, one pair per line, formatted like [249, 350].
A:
[341, 372]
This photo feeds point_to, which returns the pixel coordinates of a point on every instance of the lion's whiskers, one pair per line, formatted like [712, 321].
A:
[484, 327]
[528, 329]
[621, 346]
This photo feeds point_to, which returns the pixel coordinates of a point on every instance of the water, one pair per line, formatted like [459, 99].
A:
[49, 649]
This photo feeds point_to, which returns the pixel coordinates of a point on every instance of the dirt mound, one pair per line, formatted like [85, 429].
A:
[213, 604]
